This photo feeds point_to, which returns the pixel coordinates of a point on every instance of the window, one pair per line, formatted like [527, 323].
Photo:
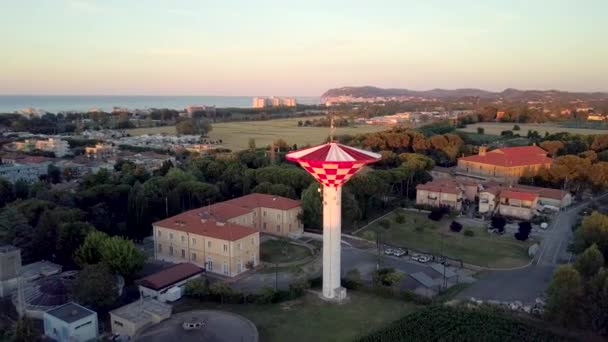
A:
[208, 244]
[183, 253]
[225, 268]
[238, 245]
[225, 248]
[254, 214]
[160, 248]
[183, 238]
[194, 241]
[264, 225]
[209, 264]
[159, 233]
[255, 224]
[252, 241]
[278, 228]
[264, 213]
[171, 250]
[118, 323]
[193, 256]
[171, 236]
[278, 216]
[239, 267]
[290, 227]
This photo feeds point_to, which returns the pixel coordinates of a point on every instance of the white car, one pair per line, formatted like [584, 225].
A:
[424, 259]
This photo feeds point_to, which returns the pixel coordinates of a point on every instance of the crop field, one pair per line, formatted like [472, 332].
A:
[236, 135]
[494, 128]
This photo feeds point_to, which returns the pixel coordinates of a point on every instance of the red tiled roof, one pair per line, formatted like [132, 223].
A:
[519, 195]
[223, 211]
[193, 221]
[449, 186]
[169, 276]
[543, 192]
[256, 200]
[512, 156]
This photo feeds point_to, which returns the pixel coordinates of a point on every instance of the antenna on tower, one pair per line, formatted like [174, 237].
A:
[332, 129]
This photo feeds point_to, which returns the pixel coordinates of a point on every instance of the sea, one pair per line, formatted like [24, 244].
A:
[83, 103]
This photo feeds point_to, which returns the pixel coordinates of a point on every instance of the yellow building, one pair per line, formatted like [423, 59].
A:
[440, 193]
[504, 163]
[224, 237]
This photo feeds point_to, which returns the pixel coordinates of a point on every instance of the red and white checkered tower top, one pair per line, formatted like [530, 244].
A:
[332, 164]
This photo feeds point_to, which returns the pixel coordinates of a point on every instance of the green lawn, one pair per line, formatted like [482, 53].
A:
[494, 128]
[483, 249]
[235, 135]
[281, 251]
[311, 319]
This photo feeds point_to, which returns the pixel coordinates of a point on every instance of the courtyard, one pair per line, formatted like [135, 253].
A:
[421, 234]
[311, 319]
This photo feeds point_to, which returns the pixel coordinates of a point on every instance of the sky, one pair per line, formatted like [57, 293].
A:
[282, 47]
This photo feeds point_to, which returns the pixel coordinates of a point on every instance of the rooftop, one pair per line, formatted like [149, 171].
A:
[446, 185]
[511, 156]
[519, 195]
[256, 200]
[8, 248]
[194, 222]
[70, 312]
[142, 310]
[169, 276]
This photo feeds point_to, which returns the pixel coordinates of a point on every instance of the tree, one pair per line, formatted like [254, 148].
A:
[589, 262]
[70, 236]
[499, 223]
[96, 287]
[6, 192]
[516, 128]
[197, 288]
[480, 130]
[89, 251]
[552, 146]
[24, 331]
[596, 302]
[386, 277]
[220, 289]
[251, 144]
[564, 296]
[53, 174]
[386, 224]
[311, 207]
[593, 230]
[122, 256]
[524, 231]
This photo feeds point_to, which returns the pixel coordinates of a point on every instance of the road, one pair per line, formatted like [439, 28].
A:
[528, 283]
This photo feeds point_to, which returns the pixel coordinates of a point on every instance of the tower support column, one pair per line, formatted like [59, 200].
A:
[332, 233]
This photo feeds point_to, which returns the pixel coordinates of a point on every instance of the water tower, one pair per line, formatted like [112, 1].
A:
[332, 165]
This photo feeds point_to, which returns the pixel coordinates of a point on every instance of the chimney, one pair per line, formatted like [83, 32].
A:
[483, 150]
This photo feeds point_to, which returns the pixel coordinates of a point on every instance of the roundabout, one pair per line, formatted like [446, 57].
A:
[201, 325]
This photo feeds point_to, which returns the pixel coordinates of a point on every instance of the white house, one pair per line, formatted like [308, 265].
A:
[71, 322]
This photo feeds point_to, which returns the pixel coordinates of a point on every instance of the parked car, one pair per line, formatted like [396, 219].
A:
[424, 259]
[399, 252]
[389, 251]
[415, 256]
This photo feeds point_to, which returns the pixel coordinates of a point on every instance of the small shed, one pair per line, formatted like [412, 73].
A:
[71, 322]
[158, 284]
[129, 319]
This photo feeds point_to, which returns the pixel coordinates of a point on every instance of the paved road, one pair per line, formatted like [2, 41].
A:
[529, 283]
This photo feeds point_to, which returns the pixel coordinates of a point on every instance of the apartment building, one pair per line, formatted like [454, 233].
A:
[59, 147]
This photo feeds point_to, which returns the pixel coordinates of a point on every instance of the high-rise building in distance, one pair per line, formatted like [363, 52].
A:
[265, 102]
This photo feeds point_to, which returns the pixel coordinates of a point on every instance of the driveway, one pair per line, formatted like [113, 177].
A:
[528, 283]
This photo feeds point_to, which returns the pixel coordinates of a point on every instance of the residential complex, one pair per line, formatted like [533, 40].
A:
[265, 102]
[57, 146]
[507, 163]
[28, 168]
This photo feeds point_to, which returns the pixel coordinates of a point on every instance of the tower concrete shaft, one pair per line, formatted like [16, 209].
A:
[332, 233]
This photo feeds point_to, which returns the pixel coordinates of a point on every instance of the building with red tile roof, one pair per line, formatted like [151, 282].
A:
[504, 163]
[157, 285]
[224, 237]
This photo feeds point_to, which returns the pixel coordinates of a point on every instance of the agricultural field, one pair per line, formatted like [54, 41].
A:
[236, 135]
[494, 128]
[311, 319]
[445, 323]
[420, 233]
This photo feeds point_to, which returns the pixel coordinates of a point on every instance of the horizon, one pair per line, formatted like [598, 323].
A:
[187, 48]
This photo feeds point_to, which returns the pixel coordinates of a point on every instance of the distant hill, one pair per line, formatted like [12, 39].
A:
[507, 94]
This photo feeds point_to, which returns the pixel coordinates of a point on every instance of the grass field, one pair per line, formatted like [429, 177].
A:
[236, 135]
[311, 319]
[483, 249]
[281, 251]
[494, 128]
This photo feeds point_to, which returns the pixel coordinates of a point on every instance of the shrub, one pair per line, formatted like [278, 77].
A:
[499, 223]
[481, 130]
[400, 219]
[386, 224]
[386, 277]
[369, 235]
[352, 279]
[298, 289]
[455, 226]
[197, 288]
[419, 229]
[468, 232]
[436, 214]
[516, 128]
[266, 296]
[524, 231]
[506, 133]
